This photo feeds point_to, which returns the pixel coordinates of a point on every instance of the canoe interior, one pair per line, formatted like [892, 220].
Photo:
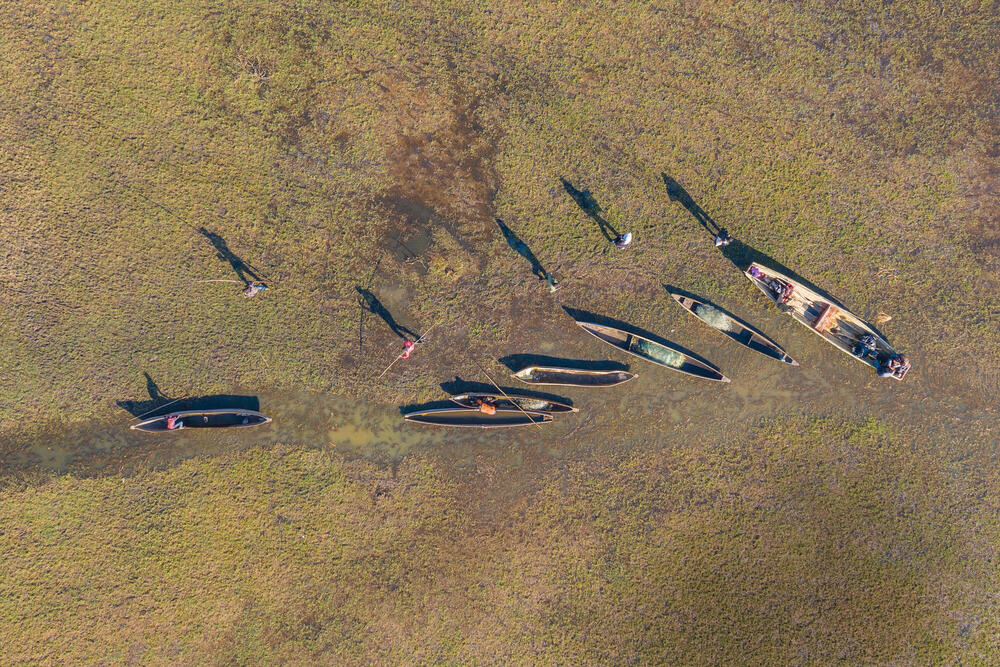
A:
[729, 326]
[650, 350]
[465, 417]
[572, 377]
[836, 325]
[513, 402]
[205, 419]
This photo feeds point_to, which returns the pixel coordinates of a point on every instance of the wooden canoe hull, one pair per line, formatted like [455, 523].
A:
[736, 330]
[471, 418]
[572, 377]
[204, 419]
[834, 324]
[652, 351]
[513, 401]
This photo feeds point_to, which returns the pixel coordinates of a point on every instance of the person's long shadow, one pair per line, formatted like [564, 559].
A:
[737, 252]
[242, 269]
[589, 205]
[158, 402]
[522, 249]
[156, 399]
[678, 194]
[371, 303]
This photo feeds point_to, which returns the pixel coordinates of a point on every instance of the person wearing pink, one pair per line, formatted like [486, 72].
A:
[408, 346]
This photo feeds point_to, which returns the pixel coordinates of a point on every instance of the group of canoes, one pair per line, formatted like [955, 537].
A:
[840, 327]
[829, 320]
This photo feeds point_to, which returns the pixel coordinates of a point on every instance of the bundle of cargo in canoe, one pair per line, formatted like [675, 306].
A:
[653, 351]
[738, 331]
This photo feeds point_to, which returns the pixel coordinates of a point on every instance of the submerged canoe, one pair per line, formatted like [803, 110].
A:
[739, 331]
[572, 377]
[513, 402]
[650, 350]
[471, 418]
[837, 326]
[204, 419]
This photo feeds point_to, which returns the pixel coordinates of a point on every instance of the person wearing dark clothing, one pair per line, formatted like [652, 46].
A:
[866, 346]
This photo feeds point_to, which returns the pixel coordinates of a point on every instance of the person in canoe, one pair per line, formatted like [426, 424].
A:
[173, 423]
[895, 366]
[782, 291]
[486, 408]
[866, 347]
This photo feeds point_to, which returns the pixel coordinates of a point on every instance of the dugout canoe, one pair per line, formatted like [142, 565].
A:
[653, 351]
[471, 418]
[204, 419]
[728, 325]
[572, 377]
[834, 324]
[513, 402]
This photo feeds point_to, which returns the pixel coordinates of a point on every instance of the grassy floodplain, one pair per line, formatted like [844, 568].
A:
[341, 145]
[836, 543]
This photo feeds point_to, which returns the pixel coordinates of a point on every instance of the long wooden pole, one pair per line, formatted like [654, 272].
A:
[159, 407]
[516, 404]
[400, 356]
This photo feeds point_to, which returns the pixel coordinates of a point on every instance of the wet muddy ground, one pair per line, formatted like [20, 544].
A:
[661, 408]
